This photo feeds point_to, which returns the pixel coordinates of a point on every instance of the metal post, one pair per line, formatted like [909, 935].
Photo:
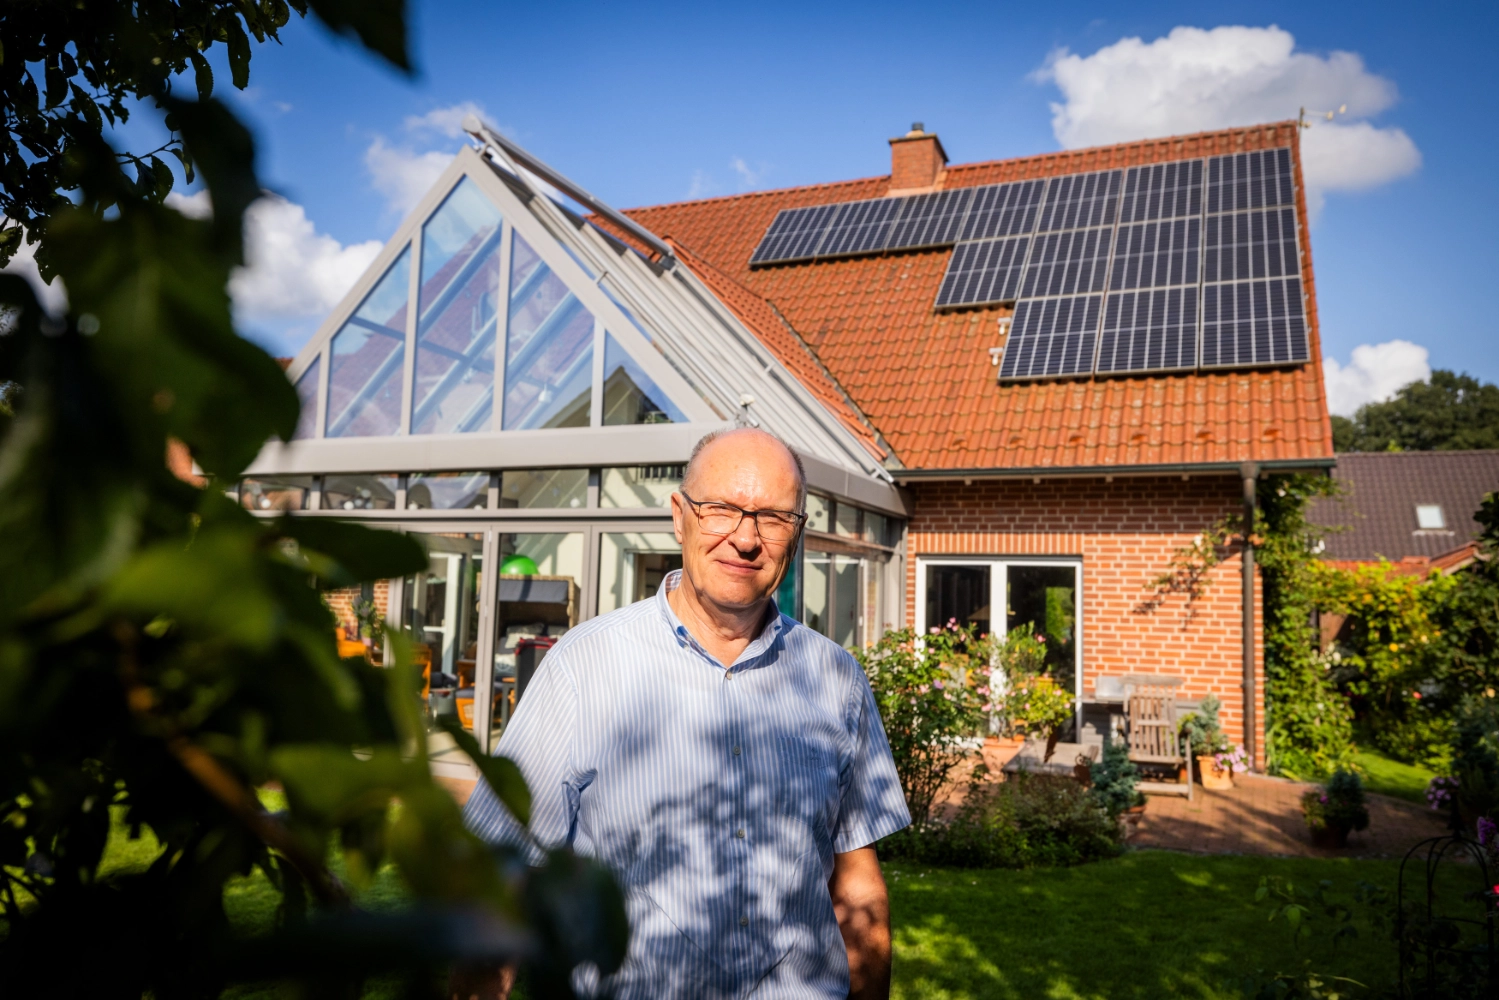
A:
[1249, 472]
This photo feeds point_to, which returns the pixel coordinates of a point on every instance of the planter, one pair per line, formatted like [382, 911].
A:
[1330, 836]
[1212, 775]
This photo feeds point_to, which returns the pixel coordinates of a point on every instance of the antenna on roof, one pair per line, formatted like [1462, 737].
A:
[515, 155]
[1302, 122]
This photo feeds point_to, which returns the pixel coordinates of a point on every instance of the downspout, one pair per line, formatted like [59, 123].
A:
[1250, 472]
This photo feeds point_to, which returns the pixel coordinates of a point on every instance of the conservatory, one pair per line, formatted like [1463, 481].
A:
[519, 387]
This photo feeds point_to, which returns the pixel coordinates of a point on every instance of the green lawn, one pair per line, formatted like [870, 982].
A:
[1391, 777]
[1149, 924]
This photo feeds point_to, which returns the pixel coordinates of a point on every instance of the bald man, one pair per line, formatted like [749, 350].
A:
[725, 761]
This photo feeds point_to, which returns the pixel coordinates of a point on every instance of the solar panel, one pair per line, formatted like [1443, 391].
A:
[1246, 245]
[1067, 263]
[1162, 191]
[1003, 210]
[1079, 201]
[1153, 330]
[1051, 337]
[983, 272]
[1254, 323]
[1261, 179]
[859, 227]
[1156, 254]
[928, 220]
[794, 234]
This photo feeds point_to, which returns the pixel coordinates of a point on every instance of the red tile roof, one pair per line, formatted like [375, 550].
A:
[925, 379]
[778, 337]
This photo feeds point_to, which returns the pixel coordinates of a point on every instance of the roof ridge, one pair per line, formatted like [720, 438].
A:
[763, 193]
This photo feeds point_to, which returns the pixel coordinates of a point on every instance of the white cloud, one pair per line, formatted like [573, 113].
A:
[401, 174]
[1195, 80]
[749, 177]
[444, 121]
[52, 295]
[291, 269]
[1373, 373]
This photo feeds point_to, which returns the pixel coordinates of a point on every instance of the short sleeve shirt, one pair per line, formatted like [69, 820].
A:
[717, 796]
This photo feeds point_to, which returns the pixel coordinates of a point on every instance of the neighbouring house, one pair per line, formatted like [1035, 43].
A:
[1412, 508]
[1020, 387]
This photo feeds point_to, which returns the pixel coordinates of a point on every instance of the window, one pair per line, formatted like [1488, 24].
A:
[364, 380]
[1429, 517]
[1042, 597]
[360, 492]
[630, 396]
[277, 493]
[548, 348]
[639, 486]
[307, 389]
[447, 491]
[544, 488]
[455, 334]
[632, 565]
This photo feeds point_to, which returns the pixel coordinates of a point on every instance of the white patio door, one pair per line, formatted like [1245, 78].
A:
[1001, 594]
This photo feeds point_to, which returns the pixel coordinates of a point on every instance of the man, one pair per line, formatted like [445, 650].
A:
[726, 762]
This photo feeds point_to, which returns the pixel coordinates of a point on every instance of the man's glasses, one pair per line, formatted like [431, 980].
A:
[717, 518]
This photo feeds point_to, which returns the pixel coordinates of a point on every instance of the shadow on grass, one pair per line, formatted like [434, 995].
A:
[1149, 924]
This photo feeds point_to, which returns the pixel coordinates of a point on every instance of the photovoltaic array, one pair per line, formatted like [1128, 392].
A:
[1168, 266]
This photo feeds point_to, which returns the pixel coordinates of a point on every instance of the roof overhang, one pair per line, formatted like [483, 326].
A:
[1281, 466]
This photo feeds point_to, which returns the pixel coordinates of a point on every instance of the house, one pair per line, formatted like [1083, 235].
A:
[1412, 508]
[1020, 388]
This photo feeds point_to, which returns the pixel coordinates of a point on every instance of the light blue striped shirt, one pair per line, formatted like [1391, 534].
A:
[718, 797]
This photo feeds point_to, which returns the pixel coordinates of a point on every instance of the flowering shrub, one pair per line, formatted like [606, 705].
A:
[1233, 759]
[1441, 792]
[932, 691]
[1337, 805]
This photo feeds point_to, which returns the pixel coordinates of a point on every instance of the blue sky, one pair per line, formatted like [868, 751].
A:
[660, 102]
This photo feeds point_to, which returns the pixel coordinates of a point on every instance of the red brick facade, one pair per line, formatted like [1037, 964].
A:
[341, 603]
[1125, 533]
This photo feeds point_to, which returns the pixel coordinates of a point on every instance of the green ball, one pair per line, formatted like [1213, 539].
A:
[518, 566]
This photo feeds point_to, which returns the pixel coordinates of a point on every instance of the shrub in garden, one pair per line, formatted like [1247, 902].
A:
[1115, 778]
[932, 694]
[1337, 807]
[1203, 731]
[1028, 821]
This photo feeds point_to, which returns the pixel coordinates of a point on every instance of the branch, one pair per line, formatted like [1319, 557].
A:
[230, 792]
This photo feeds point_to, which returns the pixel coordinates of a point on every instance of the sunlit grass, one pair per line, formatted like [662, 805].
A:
[1391, 777]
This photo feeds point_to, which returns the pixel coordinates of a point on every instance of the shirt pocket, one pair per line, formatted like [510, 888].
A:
[806, 784]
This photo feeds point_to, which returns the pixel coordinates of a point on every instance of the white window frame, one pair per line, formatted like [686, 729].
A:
[999, 567]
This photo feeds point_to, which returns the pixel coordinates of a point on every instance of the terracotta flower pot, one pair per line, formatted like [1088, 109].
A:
[1212, 775]
[1330, 836]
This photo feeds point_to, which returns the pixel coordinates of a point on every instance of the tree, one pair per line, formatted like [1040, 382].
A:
[1449, 412]
[163, 653]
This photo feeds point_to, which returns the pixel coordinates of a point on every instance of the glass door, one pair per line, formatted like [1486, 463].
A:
[537, 600]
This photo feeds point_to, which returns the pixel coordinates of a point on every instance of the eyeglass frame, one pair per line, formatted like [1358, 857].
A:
[801, 519]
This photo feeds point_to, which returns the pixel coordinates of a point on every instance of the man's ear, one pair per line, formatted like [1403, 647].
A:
[678, 514]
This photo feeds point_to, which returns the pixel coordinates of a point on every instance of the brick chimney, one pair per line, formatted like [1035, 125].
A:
[917, 161]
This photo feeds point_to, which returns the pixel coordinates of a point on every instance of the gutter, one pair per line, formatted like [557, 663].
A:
[1039, 472]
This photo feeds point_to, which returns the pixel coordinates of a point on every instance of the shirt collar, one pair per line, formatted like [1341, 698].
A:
[757, 648]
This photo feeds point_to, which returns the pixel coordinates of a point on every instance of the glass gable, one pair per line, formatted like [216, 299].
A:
[307, 387]
[364, 383]
[549, 348]
[455, 339]
[630, 396]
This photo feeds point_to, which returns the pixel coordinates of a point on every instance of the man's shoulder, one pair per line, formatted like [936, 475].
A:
[613, 630]
[814, 648]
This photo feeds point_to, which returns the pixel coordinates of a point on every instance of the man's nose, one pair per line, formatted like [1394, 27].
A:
[746, 537]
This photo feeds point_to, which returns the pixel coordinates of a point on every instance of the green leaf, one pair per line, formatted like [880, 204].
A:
[379, 24]
[185, 160]
[225, 154]
[10, 242]
[203, 74]
[329, 785]
[239, 53]
[500, 773]
[360, 553]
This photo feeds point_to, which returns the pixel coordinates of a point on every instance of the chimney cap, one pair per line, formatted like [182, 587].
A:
[916, 129]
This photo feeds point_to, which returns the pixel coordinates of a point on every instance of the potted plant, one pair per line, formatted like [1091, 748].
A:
[1336, 809]
[1038, 707]
[1210, 746]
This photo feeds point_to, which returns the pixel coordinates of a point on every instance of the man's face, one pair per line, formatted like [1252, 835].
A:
[752, 471]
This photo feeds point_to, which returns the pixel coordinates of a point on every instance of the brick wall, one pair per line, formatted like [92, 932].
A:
[915, 162]
[1125, 534]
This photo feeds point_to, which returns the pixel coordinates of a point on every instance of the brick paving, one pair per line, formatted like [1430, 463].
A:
[1262, 815]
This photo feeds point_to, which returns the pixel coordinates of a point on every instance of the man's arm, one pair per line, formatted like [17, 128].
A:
[863, 909]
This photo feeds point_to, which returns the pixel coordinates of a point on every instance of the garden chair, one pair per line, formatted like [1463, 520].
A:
[1155, 735]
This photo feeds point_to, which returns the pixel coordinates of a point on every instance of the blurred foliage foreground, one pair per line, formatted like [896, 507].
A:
[163, 653]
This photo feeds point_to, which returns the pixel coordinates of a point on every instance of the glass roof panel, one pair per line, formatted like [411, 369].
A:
[364, 380]
[549, 348]
[307, 387]
[455, 340]
[630, 396]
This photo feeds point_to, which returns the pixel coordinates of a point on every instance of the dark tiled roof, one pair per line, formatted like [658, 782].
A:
[1381, 491]
[924, 379]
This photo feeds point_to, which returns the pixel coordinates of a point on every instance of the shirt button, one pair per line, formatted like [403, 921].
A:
[744, 921]
[739, 833]
[736, 751]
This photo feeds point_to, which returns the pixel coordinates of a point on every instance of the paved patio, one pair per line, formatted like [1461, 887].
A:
[1262, 815]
